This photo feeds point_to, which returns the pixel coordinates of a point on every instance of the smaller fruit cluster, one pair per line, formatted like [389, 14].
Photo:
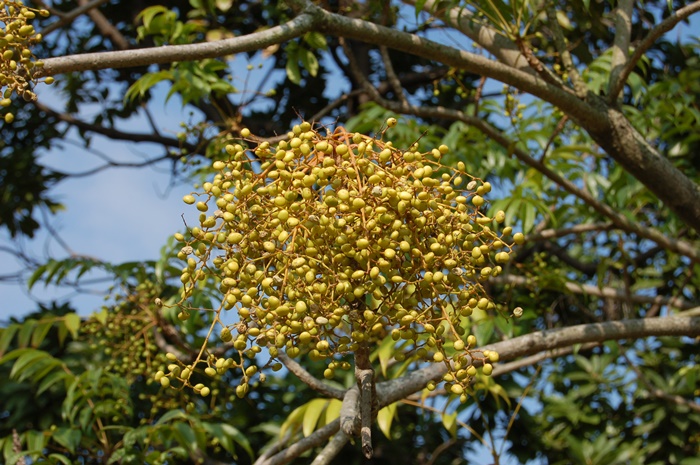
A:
[17, 62]
[324, 244]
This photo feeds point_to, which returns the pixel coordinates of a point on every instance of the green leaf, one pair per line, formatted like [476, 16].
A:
[68, 438]
[312, 413]
[293, 420]
[60, 458]
[293, 72]
[149, 13]
[385, 417]
[239, 437]
[6, 336]
[419, 7]
[385, 353]
[72, 322]
[42, 329]
[35, 276]
[50, 380]
[316, 40]
[449, 421]
[27, 360]
[185, 436]
[171, 415]
[333, 410]
[309, 61]
[25, 332]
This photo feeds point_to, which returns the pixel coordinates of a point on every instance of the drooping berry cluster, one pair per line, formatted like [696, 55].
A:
[17, 62]
[326, 242]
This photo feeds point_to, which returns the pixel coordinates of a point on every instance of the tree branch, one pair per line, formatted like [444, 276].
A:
[396, 389]
[621, 44]
[505, 50]
[564, 55]
[576, 229]
[658, 393]
[295, 450]
[69, 17]
[308, 379]
[173, 53]
[115, 133]
[659, 30]
[332, 449]
[603, 292]
[106, 28]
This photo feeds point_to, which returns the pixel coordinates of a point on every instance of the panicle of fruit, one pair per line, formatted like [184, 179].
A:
[324, 243]
[17, 62]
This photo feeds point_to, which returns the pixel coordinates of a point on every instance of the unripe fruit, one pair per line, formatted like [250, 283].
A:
[478, 200]
[391, 122]
[487, 369]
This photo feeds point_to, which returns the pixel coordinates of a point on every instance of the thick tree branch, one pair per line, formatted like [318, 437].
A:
[621, 44]
[505, 50]
[173, 53]
[396, 389]
[654, 35]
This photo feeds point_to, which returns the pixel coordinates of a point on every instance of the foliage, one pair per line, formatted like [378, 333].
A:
[274, 271]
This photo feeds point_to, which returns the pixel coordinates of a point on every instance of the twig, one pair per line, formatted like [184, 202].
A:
[173, 53]
[69, 17]
[560, 43]
[106, 28]
[114, 133]
[576, 229]
[308, 379]
[391, 77]
[440, 449]
[658, 393]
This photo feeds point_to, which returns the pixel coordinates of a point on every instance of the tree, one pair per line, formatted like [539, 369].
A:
[583, 118]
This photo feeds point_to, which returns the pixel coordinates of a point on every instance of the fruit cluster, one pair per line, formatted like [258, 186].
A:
[17, 61]
[323, 243]
[123, 334]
